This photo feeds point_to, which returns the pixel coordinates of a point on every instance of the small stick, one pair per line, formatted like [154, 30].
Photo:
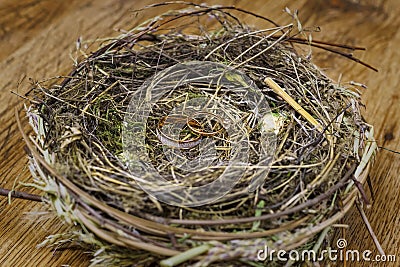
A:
[279, 91]
[19, 194]
[369, 228]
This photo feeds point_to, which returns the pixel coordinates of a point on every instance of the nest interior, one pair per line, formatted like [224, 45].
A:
[78, 156]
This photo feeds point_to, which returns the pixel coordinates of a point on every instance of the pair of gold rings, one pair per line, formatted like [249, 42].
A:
[193, 124]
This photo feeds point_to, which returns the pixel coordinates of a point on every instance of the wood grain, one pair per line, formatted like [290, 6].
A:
[38, 37]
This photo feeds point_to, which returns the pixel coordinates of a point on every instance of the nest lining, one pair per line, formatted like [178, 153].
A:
[78, 158]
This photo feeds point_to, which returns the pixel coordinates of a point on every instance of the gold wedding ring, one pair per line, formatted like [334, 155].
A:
[202, 132]
[194, 126]
[171, 142]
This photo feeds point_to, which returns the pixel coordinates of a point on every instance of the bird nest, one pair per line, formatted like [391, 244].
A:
[195, 139]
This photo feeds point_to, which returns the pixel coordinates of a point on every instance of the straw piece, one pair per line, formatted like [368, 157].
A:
[279, 91]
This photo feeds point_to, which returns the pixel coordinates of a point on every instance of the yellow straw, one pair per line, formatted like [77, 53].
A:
[279, 91]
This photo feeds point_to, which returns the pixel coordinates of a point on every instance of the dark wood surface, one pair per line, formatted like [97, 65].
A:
[37, 38]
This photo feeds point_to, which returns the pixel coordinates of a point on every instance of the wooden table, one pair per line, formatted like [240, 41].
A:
[38, 36]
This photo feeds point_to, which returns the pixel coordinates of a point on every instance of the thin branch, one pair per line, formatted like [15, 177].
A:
[19, 194]
[369, 228]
